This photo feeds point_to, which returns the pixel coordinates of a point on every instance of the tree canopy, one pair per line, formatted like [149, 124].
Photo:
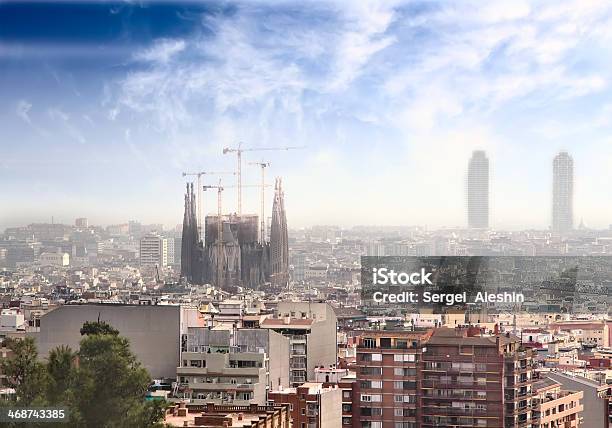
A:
[101, 385]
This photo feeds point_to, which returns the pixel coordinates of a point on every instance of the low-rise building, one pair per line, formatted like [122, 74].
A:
[553, 407]
[54, 259]
[312, 405]
[211, 415]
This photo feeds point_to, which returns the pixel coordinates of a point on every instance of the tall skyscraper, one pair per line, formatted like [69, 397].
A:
[478, 191]
[279, 240]
[563, 193]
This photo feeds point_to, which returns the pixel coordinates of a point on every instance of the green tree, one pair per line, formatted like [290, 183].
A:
[24, 372]
[112, 384]
[62, 372]
[106, 388]
[98, 327]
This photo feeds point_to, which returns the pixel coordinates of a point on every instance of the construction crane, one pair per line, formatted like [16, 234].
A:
[263, 165]
[199, 195]
[238, 150]
[220, 188]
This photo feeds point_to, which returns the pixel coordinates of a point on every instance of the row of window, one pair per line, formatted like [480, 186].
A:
[397, 371]
[377, 398]
[379, 424]
[445, 365]
[411, 358]
[378, 384]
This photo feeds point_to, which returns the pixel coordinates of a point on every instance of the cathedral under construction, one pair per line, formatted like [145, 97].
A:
[230, 253]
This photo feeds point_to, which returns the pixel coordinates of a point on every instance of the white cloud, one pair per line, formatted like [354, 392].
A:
[23, 111]
[435, 82]
[162, 51]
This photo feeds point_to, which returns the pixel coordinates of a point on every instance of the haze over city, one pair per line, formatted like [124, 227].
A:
[101, 115]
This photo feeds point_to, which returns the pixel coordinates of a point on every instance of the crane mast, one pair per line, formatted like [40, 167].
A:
[262, 232]
[239, 150]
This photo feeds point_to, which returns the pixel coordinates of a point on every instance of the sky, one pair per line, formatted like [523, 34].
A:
[104, 104]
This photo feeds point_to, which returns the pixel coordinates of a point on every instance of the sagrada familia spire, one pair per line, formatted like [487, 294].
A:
[191, 247]
[279, 240]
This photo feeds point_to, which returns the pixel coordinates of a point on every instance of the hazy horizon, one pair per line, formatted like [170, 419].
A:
[105, 105]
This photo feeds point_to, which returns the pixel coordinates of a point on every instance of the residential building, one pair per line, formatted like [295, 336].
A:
[227, 365]
[469, 379]
[312, 405]
[553, 407]
[385, 394]
[311, 329]
[345, 380]
[154, 331]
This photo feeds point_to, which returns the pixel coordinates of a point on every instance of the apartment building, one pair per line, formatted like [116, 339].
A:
[386, 393]
[588, 332]
[553, 407]
[470, 380]
[312, 405]
[450, 377]
[226, 365]
[311, 329]
[345, 380]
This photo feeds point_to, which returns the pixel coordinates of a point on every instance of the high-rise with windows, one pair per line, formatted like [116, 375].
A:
[441, 377]
[478, 190]
[563, 193]
[153, 251]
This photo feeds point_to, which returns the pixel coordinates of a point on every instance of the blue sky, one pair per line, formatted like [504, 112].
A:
[104, 104]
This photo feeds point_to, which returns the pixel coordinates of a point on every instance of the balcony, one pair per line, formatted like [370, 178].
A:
[210, 386]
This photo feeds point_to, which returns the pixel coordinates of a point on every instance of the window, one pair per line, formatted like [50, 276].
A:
[398, 384]
[404, 357]
[371, 371]
[404, 399]
[376, 357]
[401, 371]
[368, 342]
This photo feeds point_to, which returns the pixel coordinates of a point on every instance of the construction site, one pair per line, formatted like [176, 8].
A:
[231, 250]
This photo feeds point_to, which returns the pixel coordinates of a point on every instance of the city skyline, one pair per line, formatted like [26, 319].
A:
[109, 113]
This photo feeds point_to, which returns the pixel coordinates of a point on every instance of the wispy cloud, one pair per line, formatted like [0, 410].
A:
[23, 110]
